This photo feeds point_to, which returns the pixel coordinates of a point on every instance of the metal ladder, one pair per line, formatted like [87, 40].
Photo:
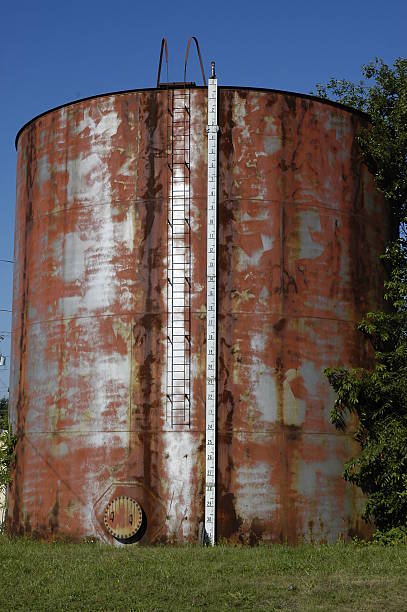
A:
[178, 410]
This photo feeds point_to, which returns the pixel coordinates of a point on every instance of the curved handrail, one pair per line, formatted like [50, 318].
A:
[163, 47]
[199, 55]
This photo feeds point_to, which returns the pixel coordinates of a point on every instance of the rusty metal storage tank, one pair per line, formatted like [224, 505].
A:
[301, 227]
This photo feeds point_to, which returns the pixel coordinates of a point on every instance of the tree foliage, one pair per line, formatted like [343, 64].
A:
[7, 444]
[379, 396]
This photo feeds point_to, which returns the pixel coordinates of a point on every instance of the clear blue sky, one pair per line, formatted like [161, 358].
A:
[54, 52]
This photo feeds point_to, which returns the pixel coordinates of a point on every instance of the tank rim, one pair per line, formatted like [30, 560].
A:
[171, 86]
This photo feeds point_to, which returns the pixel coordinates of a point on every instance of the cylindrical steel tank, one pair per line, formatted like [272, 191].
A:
[301, 227]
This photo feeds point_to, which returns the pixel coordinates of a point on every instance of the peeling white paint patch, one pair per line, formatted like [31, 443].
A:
[317, 384]
[317, 480]
[75, 249]
[258, 215]
[126, 230]
[180, 458]
[89, 179]
[63, 116]
[258, 342]
[246, 261]
[313, 376]
[267, 242]
[271, 125]
[59, 449]
[125, 168]
[43, 171]
[106, 373]
[264, 295]
[256, 498]
[272, 144]
[309, 222]
[293, 407]
[42, 371]
[264, 388]
[106, 127]
[239, 116]
[339, 123]
[88, 262]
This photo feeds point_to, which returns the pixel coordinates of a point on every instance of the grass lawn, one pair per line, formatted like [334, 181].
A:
[57, 576]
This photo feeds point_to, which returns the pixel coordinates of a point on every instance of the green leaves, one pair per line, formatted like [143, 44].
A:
[379, 396]
[379, 399]
[7, 444]
[345, 92]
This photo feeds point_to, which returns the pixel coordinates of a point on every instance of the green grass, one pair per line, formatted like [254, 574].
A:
[40, 576]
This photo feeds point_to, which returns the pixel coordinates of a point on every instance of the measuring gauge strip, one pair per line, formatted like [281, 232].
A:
[211, 327]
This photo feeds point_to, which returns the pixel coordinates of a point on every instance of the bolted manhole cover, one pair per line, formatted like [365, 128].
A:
[123, 517]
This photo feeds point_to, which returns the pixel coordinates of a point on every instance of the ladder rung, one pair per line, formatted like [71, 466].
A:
[178, 236]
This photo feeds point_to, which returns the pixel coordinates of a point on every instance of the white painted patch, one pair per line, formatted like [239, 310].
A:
[258, 342]
[309, 221]
[125, 168]
[267, 242]
[106, 127]
[293, 407]
[264, 295]
[316, 383]
[264, 389]
[258, 215]
[340, 123]
[43, 171]
[59, 450]
[256, 498]
[180, 450]
[88, 179]
[75, 249]
[272, 144]
[42, 372]
[247, 261]
[240, 115]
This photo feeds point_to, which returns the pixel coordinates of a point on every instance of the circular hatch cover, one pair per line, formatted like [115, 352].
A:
[123, 517]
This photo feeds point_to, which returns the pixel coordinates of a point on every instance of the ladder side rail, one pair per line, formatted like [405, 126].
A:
[187, 276]
[169, 262]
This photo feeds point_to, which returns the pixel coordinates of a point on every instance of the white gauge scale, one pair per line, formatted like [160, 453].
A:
[211, 326]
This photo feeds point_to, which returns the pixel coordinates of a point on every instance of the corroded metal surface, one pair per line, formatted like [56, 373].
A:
[300, 230]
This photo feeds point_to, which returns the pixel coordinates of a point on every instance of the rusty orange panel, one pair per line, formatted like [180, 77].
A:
[300, 230]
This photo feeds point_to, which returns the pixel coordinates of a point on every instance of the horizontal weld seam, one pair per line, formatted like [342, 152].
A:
[307, 204]
[162, 430]
[194, 312]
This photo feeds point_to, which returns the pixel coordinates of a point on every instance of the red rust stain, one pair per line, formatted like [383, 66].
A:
[300, 230]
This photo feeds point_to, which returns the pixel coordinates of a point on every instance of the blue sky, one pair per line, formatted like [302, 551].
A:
[54, 52]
